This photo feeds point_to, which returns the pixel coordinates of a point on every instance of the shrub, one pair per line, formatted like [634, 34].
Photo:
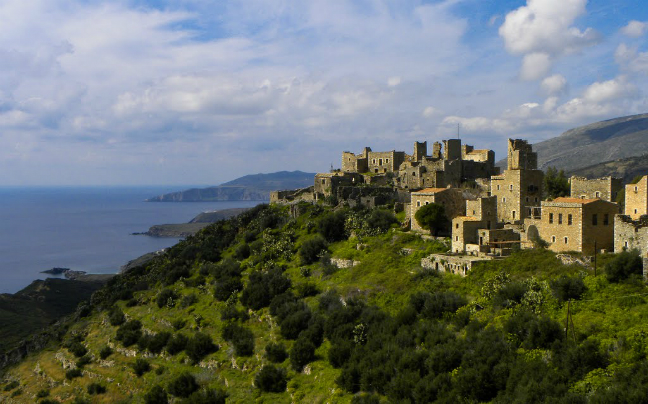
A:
[206, 396]
[158, 341]
[177, 344]
[96, 388]
[226, 286]
[568, 288]
[230, 313]
[116, 317]
[12, 385]
[166, 298]
[381, 220]
[183, 385]
[42, 393]
[331, 226]
[624, 265]
[276, 353]
[262, 288]
[295, 323]
[199, 346]
[73, 373]
[271, 379]
[189, 300]
[439, 303]
[432, 217]
[157, 395]
[77, 349]
[141, 366]
[311, 249]
[129, 332]
[302, 353]
[84, 360]
[241, 338]
[242, 251]
[307, 289]
[178, 324]
[105, 352]
[49, 401]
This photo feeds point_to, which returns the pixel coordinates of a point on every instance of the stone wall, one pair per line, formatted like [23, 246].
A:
[636, 199]
[450, 198]
[517, 191]
[606, 188]
[631, 234]
[454, 264]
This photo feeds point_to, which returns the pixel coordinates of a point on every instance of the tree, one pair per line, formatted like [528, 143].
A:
[623, 266]
[432, 217]
[271, 379]
[555, 183]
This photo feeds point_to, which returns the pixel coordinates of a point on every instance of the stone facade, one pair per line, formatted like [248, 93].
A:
[454, 264]
[575, 224]
[480, 214]
[451, 199]
[326, 184]
[631, 234]
[636, 198]
[372, 162]
[606, 188]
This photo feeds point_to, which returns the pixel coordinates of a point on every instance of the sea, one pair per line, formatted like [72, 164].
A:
[84, 228]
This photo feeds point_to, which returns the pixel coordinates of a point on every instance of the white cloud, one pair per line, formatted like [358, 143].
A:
[635, 29]
[545, 27]
[430, 112]
[631, 60]
[535, 66]
[554, 84]
[478, 124]
[609, 90]
[393, 81]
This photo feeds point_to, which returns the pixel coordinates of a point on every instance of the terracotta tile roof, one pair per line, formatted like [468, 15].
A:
[430, 190]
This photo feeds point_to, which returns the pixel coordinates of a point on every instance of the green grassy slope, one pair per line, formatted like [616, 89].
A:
[384, 330]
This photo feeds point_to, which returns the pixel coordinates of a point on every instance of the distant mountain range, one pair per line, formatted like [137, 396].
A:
[255, 187]
[617, 147]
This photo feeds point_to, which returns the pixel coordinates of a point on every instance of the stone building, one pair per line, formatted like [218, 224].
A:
[636, 198]
[326, 184]
[453, 264]
[631, 234]
[519, 188]
[574, 224]
[450, 164]
[606, 188]
[451, 199]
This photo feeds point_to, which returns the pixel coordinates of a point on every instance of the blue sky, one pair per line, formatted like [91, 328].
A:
[201, 92]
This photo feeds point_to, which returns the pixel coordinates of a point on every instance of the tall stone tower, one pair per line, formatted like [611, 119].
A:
[420, 151]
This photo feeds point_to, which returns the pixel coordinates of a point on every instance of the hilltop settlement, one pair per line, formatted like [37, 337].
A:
[490, 213]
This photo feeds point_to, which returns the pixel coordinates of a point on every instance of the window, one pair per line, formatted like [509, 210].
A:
[553, 239]
[374, 161]
[386, 161]
[498, 188]
[598, 194]
[536, 199]
[504, 200]
[457, 226]
[594, 219]
[606, 219]
[559, 218]
[550, 218]
[569, 219]
[323, 182]
[566, 239]
[379, 162]
[473, 212]
[418, 203]
[635, 211]
[636, 189]
[513, 215]
[526, 199]
[625, 244]
[413, 173]
[426, 202]
[456, 238]
[511, 187]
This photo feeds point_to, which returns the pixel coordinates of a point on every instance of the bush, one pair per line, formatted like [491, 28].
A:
[129, 332]
[242, 251]
[199, 346]
[226, 286]
[206, 396]
[230, 313]
[183, 385]
[440, 303]
[116, 317]
[271, 379]
[276, 353]
[96, 388]
[302, 353]
[295, 323]
[311, 249]
[624, 265]
[77, 349]
[84, 360]
[568, 288]
[49, 401]
[42, 393]
[141, 366]
[12, 385]
[157, 342]
[331, 226]
[73, 373]
[432, 217]
[189, 300]
[381, 220]
[105, 352]
[263, 287]
[178, 323]
[177, 344]
[166, 298]
[241, 338]
[157, 395]
[307, 289]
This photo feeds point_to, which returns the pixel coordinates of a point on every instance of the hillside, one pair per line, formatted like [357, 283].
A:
[627, 168]
[592, 144]
[252, 310]
[256, 187]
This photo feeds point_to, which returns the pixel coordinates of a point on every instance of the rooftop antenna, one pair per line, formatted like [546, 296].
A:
[458, 129]
[331, 167]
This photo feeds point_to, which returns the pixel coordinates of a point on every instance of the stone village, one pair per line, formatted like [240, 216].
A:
[491, 212]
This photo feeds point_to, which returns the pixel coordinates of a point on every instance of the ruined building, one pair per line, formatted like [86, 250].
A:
[606, 188]
[631, 228]
[519, 188]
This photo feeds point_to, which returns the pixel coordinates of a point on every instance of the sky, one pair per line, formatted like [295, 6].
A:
[135, 92]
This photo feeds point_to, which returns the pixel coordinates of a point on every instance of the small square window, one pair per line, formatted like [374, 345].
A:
[550, 218]
[569, 219]
[559, 218]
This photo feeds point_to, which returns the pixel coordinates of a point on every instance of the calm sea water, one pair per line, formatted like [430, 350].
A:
[86, 229]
